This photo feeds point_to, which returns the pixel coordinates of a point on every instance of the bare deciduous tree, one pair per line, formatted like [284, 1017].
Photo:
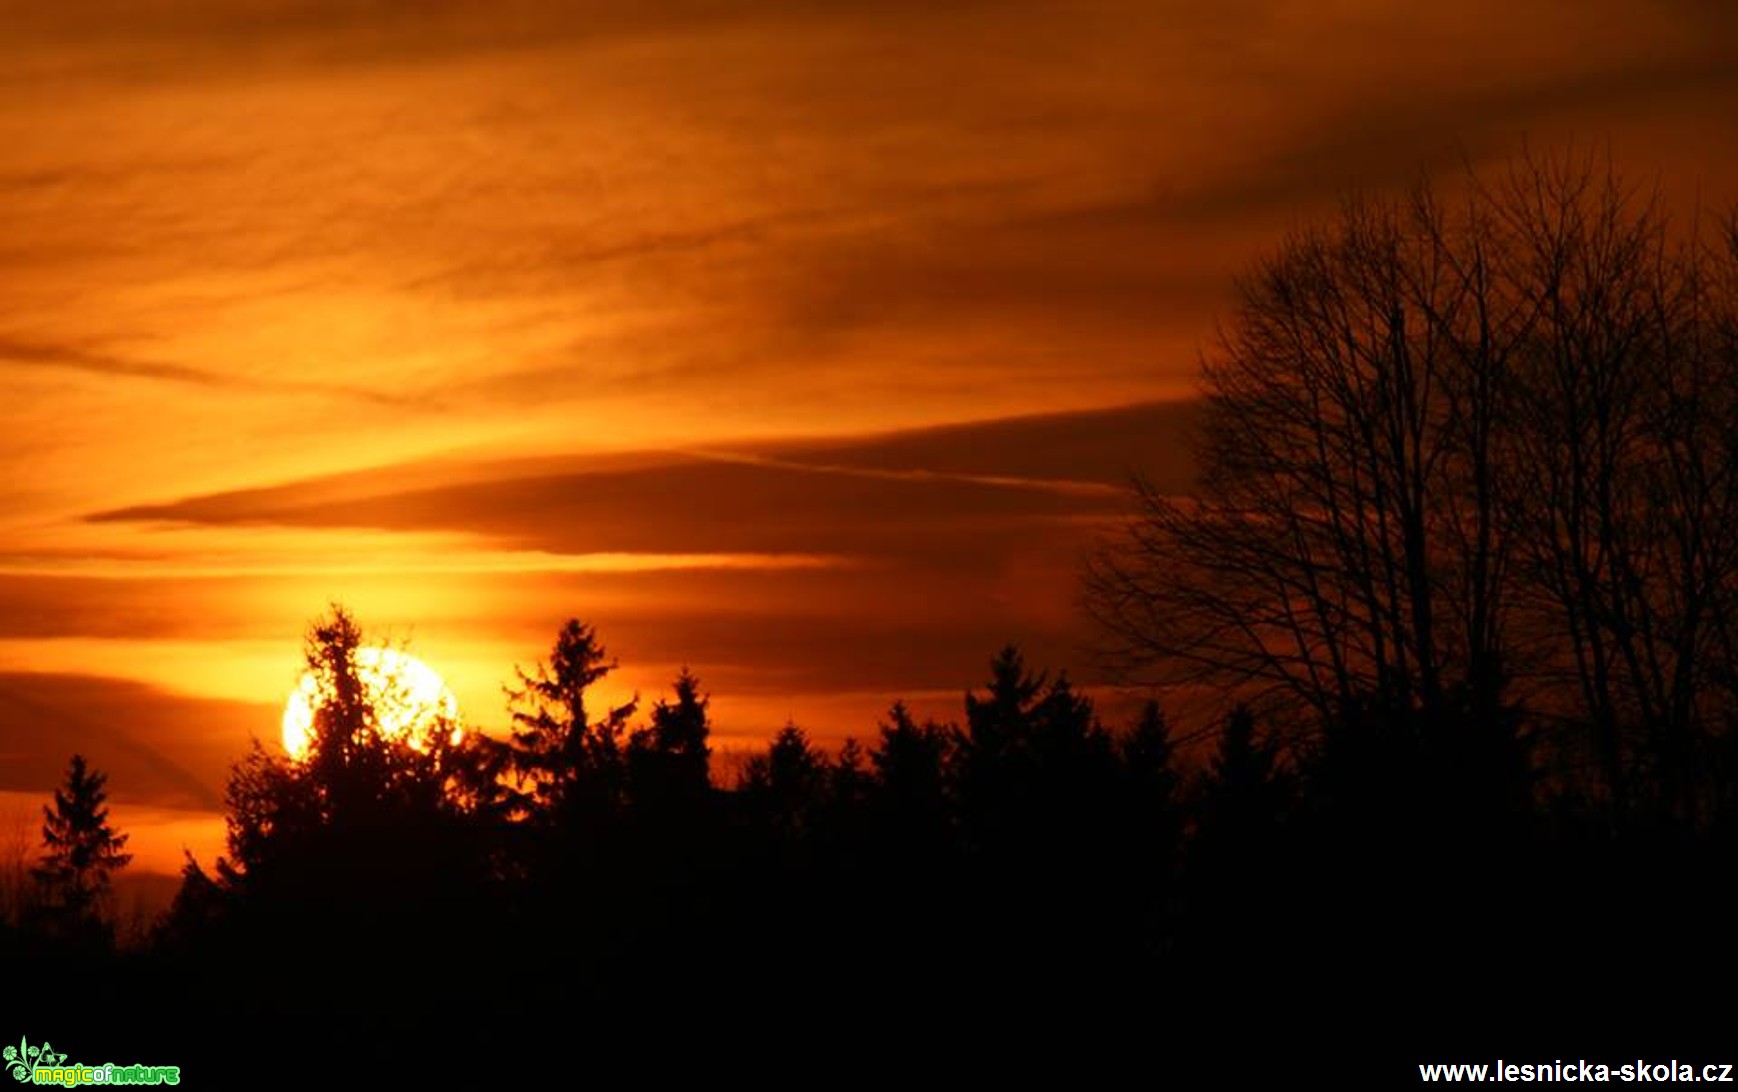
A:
[1452, 441]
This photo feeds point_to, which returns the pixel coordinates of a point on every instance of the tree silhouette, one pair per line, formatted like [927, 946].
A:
[354, 776]
[388, 844]
[82, 852]
[995, 755]
[1245, 793]
[574, 770]
[1240, 861]
[670, 760]
[786, 787]
[1146, 755]
[1622, 474]
[1449, 448]
[848, 780]
[1150, 822]
[1035, 767]
[196, 914]
[910, 796]
[1334, 550]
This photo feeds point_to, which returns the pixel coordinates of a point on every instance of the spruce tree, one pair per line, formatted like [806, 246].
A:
[81, 850]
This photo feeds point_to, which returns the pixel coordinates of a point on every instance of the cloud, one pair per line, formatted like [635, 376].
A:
[240, 39]
[903, 494]
[1106, 445]
[156, 747]
[22, 354]
[1398, 138]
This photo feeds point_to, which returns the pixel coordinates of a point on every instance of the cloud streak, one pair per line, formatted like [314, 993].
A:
[24, 354]
[925, 493]
[157, 747]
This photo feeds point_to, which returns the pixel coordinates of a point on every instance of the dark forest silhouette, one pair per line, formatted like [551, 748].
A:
[1463, 568]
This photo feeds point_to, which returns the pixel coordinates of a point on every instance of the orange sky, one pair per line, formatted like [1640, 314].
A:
[804, 343]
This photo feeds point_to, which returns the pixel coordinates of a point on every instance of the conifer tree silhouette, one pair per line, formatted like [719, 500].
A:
[669, 761]
[573, 770]
[81, 854]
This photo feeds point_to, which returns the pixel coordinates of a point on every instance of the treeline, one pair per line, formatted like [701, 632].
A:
[1027, 870]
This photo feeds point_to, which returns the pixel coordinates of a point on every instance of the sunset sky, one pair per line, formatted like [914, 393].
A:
[807, 344]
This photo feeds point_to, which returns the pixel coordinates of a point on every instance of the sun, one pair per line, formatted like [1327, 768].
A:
[409, 697]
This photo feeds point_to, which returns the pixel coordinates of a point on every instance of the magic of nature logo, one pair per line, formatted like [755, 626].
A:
[41, 1064]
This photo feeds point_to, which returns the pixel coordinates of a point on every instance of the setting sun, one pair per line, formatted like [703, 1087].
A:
[409, 698]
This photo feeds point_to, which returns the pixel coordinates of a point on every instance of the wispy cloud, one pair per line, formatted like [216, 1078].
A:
[140, 735]
[402, 560]
[995, 481]
[23, 354]
[928, 493]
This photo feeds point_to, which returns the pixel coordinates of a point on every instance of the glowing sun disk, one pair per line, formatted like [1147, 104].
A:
[409, 698]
